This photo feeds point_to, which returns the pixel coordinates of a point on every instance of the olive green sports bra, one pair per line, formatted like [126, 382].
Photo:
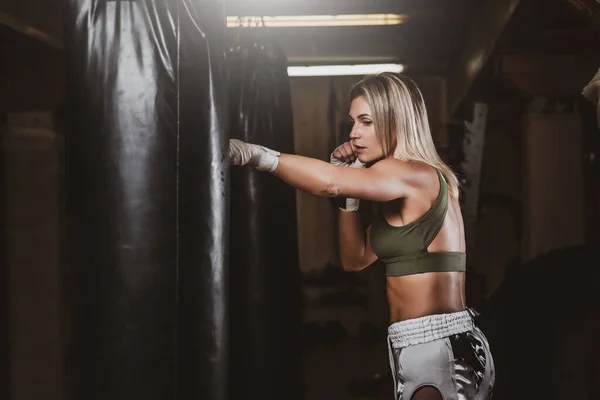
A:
[403, 249]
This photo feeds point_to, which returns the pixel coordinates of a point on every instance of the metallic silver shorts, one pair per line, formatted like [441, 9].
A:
[444, 351]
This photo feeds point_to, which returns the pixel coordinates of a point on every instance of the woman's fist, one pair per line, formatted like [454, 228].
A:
[343, 155]
[259, 157]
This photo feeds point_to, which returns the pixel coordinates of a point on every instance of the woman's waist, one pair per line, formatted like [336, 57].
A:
[419, 295]
[432, 327]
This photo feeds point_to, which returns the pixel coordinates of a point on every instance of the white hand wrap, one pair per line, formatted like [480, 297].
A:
[259, 157]
[344, 203]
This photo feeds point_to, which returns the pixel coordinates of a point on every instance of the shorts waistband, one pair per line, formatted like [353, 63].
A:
[429, 328]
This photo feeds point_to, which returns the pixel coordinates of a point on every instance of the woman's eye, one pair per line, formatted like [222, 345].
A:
[367, 123]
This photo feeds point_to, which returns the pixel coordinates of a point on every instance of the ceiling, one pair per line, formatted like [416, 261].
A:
[559, 29]
[552, 53]
[449, 38]
[426, 43]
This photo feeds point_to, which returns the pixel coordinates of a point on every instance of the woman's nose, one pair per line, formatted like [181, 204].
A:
[353, 134]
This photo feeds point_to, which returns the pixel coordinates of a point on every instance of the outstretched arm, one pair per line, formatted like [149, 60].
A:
[378, 183]
[327, 180]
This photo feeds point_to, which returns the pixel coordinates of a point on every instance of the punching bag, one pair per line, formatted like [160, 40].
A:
[5, 391]
[147, 181]
[265, 317]
[285, 277]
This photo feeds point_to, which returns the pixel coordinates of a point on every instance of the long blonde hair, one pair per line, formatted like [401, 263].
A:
[400, 121]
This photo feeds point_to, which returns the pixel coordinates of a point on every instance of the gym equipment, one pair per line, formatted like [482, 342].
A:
[266, 314]
[147, 198]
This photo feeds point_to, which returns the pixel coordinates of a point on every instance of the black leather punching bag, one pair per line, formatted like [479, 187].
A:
[5, 391]
[286, 270]
[265, 317]
[147, 180]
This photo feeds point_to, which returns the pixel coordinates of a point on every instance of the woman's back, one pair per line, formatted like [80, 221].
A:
[416, 295]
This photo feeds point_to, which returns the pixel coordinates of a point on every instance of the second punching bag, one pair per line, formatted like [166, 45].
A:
[285, 276]
[147, 182]
[265, 313]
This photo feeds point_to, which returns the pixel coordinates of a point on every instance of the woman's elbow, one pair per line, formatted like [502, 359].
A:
[352, 265]
[350, 268]
[326, 189]
[326, 186]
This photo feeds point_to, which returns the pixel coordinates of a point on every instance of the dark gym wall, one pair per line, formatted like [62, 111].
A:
[32, 150]
[31, 74]
[4, 296]
[36, 18]
[31, 78]
[147, 195]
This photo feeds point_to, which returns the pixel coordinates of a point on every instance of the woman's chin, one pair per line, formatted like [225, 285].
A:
[363, 158]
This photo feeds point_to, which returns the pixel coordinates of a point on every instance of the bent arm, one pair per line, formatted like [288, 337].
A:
[326, 180]
[355, 249]
[378, 183]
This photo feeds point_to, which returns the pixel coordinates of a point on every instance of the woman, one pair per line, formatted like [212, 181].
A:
[436, 351]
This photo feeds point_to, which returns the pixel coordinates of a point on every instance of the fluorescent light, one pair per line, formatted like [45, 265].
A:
[338, 70]
[315, 20]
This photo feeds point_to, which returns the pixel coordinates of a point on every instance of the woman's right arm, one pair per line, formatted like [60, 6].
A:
[355, 248]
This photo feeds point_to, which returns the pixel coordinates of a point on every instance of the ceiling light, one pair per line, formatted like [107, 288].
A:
[315, 20]
[338, 70]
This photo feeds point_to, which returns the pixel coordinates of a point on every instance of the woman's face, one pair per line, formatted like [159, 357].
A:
[364, 141]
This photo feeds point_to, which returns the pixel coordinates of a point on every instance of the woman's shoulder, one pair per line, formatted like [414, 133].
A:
[418, 174]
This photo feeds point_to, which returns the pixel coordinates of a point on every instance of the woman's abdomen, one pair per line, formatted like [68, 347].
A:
[418, 295]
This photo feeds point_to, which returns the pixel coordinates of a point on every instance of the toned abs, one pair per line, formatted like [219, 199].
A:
[414, 296]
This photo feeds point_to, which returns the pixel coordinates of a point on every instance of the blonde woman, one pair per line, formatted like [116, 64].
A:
[436, 351]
